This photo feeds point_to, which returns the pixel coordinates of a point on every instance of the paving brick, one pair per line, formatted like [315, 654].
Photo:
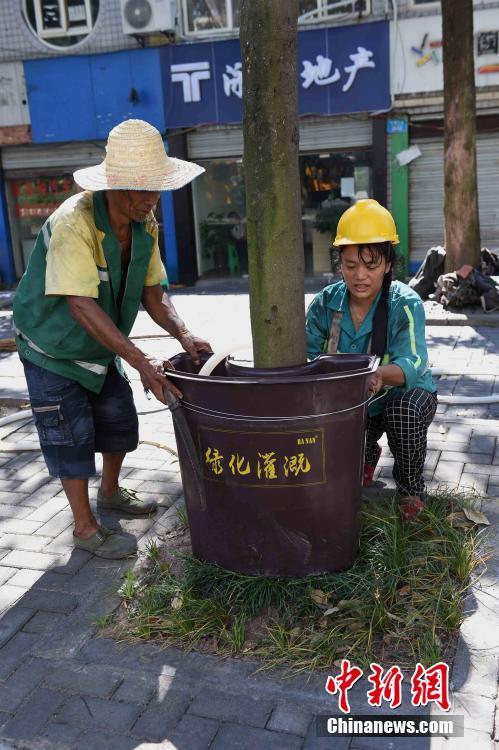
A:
[194, 733]
[466, 457]
[15, 652]
[92, 680]
[33, 715]
[449, 471]
[13, 511]
[38, 498]
[380, 743]
[475, 482]
[159, 718]
[50, 601]
[5, 574]
[18, 526]
[137, 689]
[9, 485]
[11, 498]
[109, 715]
[472, 739]
[34, 483]
[98, 741]
[33, 560]
[42, 622]
[20, 473]
[49, 509]
[10, 623]
[288, 717]
[225, 706]
[473, 468]
[482, 443]
[62, 543]
[21, 683]
[25, 578]
[24, 542]
[62, 733]
[9, 596]
[56, 525]
[237, 737]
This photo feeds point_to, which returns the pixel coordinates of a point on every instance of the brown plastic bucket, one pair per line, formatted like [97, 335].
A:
[280, 453]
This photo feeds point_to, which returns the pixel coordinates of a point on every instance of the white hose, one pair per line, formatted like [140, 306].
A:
[218, 357]
[25, 414]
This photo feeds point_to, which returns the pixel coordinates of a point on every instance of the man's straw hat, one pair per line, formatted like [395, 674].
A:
[136, 160]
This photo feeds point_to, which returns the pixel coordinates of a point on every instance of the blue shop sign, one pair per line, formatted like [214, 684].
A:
[340, 70]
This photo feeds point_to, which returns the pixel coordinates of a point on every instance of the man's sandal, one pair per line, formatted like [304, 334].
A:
[126, 501]
[108, 544]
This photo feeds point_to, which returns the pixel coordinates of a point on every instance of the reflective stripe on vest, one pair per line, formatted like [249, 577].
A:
[91, 366]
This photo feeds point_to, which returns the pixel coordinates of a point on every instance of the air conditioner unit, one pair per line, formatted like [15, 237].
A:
[147, 16]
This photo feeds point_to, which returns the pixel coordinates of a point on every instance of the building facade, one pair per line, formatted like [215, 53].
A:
[369, 82]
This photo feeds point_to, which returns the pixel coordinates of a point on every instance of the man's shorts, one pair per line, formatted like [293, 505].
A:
[74, 423]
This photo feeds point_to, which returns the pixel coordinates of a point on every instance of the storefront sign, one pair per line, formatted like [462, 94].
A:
[263, 459]
[340, 70]
[396, 126]
[418, 52]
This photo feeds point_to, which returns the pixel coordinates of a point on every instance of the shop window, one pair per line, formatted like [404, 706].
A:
[312, 11]
[330, 183]
[219, 203]
[33, 200]
[209, 16]
[61, 23]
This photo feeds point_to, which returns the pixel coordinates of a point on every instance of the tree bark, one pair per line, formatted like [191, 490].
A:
[462, 227]
[268, 34]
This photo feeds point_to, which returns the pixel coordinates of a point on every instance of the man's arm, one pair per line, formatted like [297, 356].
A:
[159, 306]
[95, 322]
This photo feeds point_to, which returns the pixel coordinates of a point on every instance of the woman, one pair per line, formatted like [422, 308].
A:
[368, 312]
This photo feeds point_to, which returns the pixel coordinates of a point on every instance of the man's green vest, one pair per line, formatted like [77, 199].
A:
[46, 332]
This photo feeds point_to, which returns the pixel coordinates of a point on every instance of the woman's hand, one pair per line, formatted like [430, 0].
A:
[374, 383]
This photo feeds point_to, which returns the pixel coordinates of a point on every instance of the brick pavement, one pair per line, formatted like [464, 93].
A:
[62, 687]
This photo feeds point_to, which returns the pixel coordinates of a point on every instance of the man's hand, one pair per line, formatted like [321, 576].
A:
[153, 378]
[194, 345]
[374, 383]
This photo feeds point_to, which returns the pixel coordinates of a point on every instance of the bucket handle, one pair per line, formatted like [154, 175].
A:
[178, 416]
[252, 418]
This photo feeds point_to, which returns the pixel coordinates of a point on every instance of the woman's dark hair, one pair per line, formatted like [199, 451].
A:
[374, 254]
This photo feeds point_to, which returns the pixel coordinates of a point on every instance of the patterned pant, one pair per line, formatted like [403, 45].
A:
[405, 419]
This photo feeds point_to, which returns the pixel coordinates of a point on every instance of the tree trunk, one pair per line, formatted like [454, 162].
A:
[462, 227]
[268, 34]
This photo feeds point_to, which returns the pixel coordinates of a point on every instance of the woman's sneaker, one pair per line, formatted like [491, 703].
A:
[368, 479]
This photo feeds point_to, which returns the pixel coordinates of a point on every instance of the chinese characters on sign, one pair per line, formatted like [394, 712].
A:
[339, 70]
[190, 74]
[263, 459]
[429, 685]
[487, 43]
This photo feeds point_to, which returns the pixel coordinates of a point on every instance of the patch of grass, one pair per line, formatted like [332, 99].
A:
[182, 516]
[401, 601]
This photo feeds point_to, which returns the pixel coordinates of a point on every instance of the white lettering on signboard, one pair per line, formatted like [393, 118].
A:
[190, 75]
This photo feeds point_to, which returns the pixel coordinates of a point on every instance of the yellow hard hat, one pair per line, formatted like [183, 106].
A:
[364, 223]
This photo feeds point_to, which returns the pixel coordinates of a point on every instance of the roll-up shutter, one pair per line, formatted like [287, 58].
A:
[315, 135]
[488, 194]
[426, 198]
[426, 194]
[63, 157]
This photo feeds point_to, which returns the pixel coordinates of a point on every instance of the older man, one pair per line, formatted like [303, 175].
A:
[95, 261]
